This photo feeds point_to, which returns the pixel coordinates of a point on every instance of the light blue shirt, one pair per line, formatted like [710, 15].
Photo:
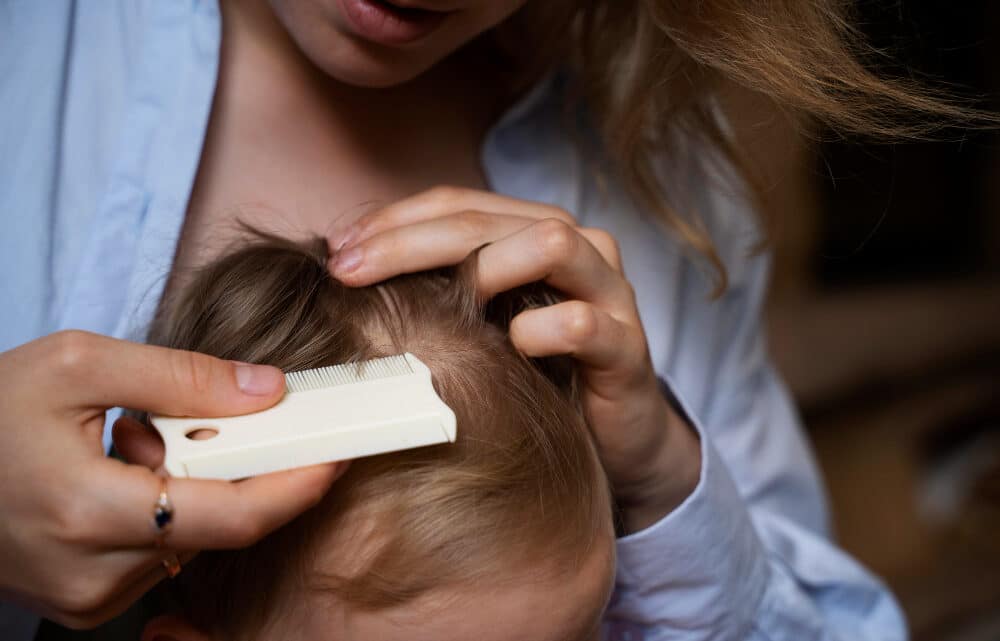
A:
[104, 110]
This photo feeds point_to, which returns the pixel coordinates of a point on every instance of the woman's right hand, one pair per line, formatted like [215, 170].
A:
[77, 543]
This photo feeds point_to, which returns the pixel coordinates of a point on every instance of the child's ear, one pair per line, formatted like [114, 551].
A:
[168, 627]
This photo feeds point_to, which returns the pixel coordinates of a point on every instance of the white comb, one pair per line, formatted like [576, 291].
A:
[328, 414]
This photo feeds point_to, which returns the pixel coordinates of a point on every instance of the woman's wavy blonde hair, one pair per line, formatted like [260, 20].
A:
[647, 69]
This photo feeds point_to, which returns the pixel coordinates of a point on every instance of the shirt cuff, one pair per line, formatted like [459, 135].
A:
[702, 567]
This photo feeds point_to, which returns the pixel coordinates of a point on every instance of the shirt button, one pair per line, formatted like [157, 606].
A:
[621, 631]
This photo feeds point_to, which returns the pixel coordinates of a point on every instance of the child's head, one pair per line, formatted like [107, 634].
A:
[505, 534]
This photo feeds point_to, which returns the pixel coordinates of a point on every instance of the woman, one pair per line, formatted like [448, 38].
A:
[135, 133]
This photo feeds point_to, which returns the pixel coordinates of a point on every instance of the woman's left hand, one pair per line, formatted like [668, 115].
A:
[652, 457]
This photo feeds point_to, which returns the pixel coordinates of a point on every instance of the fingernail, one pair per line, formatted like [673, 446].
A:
[348, 261]
[348, 236]
[258, 380]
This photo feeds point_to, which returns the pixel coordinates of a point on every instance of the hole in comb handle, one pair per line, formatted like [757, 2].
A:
[201, 433]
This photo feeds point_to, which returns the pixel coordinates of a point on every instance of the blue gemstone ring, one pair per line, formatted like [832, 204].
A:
[163, 515]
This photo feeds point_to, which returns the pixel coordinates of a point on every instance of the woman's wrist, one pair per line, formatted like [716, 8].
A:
[673, 474]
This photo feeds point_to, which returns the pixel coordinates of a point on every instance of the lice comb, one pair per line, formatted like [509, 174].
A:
[327, 414]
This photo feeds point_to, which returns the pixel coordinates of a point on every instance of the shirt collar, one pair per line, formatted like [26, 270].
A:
[528, 153]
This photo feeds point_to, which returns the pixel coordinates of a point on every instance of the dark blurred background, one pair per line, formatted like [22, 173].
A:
[885, 320]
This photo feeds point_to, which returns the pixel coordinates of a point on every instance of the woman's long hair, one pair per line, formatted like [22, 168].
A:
[650, 70]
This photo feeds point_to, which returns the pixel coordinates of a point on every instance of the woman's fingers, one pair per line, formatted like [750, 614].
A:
[109, 593]
[207, 514]
[576, 329]
[552, 251]
[156, 379]
[78, 598]
[84, 546]
[151, 572]
[606, 244]
[422, 245]
[515, 250]
[436, 203]
[137, 443]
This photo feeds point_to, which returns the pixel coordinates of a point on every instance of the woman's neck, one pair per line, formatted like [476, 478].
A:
[289, 150]
[268, 84]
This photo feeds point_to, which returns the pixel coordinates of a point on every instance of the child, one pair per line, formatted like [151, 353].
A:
[513, 518]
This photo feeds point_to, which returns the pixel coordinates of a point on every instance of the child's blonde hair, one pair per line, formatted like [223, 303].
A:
[521, 491]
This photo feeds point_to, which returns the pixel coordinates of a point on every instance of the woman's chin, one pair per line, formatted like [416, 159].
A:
[362, 64]
[372, 74]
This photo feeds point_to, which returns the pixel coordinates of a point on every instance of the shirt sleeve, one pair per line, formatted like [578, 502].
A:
[719, 568]
[747, 555]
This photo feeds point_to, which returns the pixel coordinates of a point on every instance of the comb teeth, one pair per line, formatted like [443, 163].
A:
[358, 372]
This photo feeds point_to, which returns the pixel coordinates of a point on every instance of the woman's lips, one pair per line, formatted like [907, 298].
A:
[388, 24]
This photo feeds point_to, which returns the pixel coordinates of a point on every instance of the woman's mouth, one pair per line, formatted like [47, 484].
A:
[388, 24]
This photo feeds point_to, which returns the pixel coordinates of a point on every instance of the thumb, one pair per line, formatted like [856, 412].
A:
[106, 372]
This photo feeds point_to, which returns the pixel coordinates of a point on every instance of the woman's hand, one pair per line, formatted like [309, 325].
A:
[76, 535]
[651, 456]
